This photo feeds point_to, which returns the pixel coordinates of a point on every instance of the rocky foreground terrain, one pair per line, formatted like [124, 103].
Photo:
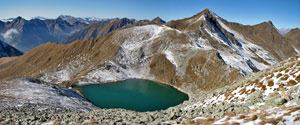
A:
[231, 72]
[269, 96]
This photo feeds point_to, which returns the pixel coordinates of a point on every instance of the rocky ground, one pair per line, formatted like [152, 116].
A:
[253, 100]
[203, 56]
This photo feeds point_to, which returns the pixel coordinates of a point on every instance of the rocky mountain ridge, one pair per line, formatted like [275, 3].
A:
[27, 34]
[293, 34]
[198, 55]
[167, 53]
[103, 29]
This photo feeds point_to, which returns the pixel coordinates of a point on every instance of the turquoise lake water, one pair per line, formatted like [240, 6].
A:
[134, 94]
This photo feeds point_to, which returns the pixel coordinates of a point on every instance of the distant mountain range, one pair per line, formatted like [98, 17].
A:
[235, 49]
[106, 27]
[27, 34]
[198, 55]
[283, 31]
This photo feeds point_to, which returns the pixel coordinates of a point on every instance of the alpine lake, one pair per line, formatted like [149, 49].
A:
[133, 94]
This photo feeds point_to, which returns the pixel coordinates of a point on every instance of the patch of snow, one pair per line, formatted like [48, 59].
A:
[37, 93]
[64, 72]
[202, 17]
[49, 123]
[197, 118]
[7, 20]
[40, 18]
[296, 50]
[170, 57]
[240, 54]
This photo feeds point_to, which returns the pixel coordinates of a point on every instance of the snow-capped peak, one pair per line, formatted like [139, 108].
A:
[92, 19]
[40, 18]
[8, 19]
[65, 16]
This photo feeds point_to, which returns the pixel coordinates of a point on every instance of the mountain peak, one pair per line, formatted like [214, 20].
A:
[266, 24]
[206, 12]
[40, 18]
[295, 29]
[19, 18]
[64, 16]
[158, 20]
[270, 22]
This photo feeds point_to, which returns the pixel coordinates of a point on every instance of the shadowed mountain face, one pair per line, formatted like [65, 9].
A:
[203, 52]
[27, 34]
[8, 51]
[95, 30]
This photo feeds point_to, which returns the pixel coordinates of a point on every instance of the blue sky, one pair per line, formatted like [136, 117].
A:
[283, 13]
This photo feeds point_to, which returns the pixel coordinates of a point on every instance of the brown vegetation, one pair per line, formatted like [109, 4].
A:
[291, 83]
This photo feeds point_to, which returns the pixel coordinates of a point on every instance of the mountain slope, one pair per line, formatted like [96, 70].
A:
[95, 30]
[27, 34]
[88, 20]
[8, 51]
[104, 28]
[266, 35]
[183, 53]
[204, 56]
[135, 52]
[270, 96]
[234, 47]
[294, 34]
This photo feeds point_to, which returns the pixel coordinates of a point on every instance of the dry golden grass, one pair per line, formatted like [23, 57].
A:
[297, 118]
[253, 118]
[271, 120]
[241, 117]
[242, 91]
[56, 122]
[47, 56]
[285, 77]
[270, 83]
[291, 83]
[207, 121]
[208, 63]
[230, 114]
[163, 69]
[298, 78]
[278, 75]
[270, 76]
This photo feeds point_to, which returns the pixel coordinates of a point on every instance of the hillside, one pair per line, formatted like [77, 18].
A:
[95, 30]
[103, 29]
[270, 96]
[294, 34]
[176, 56]
[204, 56]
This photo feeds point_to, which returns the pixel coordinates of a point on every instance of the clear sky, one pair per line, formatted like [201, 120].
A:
[283, 13]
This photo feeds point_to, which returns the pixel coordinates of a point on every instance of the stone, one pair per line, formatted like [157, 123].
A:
[283, 100]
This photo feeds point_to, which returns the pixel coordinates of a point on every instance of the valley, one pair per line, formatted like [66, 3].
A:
[229, 71]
